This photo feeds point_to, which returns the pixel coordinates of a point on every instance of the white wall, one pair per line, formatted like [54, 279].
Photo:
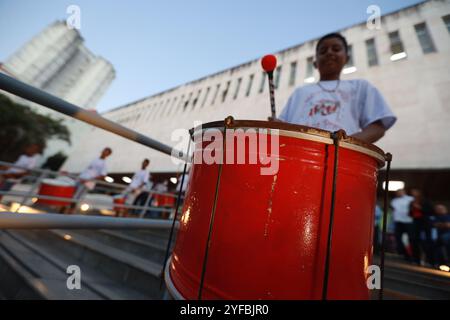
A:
[417, 88]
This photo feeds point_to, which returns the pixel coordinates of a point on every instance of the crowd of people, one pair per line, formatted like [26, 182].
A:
[420, 229]
[142, 189]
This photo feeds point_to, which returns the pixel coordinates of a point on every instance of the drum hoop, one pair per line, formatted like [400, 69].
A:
[173, 291]
[53, 183]
[302, 132]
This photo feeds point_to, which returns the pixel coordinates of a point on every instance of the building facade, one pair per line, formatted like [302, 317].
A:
[407, 59]
[56, 61]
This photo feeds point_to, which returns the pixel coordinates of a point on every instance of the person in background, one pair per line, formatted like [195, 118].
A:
[403, 223]
[96, 170]
[139, 181]
[28, 160]
[377, 228]
[421, 211]
[442, 224]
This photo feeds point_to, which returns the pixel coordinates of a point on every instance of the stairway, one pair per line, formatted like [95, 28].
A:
[113, 264]
[126, 264]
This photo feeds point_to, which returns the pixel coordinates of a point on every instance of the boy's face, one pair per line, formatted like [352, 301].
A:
[106, 153]
[331, 57]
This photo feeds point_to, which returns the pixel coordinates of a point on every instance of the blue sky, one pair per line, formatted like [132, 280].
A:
[157, 45]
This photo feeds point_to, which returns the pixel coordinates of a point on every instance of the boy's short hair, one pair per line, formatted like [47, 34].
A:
[333, 35]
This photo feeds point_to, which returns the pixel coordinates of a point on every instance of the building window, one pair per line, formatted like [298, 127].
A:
[263, 82]
[187, 101]
[180, 103]
[350, 56]
[447, 21]
[309, 75]
[397, 49]
[424, 38]
[206, 96]
[249, 86]
[196, 98]
[171, 106]
[293, 73]
[350, 66]
[225, 92]
[162, 108]
[372, 57]
[215, 94]
[236, 92]
[277, 77]
[174, 101]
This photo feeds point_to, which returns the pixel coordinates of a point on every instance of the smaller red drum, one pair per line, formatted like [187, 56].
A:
[119, 200]
[56, 188]
[164, 201]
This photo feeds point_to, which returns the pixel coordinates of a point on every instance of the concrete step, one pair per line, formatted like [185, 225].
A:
[94, 278]
[151, 250]
[27, 275]
[156, 237]
[124, 269]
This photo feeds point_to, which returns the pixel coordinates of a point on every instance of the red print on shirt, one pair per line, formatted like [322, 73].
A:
[324, 108]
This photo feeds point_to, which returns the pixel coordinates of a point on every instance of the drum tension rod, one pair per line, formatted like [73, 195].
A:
[228, 122]
[169, 243]
[388, 158]
[336, 136]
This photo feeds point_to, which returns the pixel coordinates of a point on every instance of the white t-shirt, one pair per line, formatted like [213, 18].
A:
[26, 162]
[96, 168]
[139, 178]
[160, 187]
[401, 209]
[352, 107]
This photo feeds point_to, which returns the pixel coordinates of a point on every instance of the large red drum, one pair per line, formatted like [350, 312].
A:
[56, 188]
[269, 234]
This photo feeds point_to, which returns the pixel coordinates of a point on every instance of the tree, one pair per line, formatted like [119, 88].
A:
[21, 126]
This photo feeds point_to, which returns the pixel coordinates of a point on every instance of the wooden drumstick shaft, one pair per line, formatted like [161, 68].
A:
[272, 94]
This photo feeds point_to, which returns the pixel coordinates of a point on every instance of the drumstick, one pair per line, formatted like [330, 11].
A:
[269, 63]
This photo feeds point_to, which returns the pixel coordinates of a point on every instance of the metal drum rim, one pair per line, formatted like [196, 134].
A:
[299, 132]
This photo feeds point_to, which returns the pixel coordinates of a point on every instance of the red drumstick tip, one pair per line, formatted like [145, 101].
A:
[269, 62]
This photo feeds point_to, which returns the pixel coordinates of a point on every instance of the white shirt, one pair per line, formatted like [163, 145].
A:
[95, 169]
[26, 162]
[139, 178]
[352, 107]
[160, 187]
[401, 209]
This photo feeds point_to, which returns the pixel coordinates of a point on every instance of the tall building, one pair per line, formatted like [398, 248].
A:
[407, 59]
[56, 61]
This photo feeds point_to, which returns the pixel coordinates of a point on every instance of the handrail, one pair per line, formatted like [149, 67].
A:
[45, 99]
[9, 220]
[75, 177]
[46, 221]
[72, 200]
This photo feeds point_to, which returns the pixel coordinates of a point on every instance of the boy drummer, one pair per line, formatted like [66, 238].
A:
[332, 104]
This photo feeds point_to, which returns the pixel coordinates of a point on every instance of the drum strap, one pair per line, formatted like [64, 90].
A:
[180, 190]
[388, 157]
